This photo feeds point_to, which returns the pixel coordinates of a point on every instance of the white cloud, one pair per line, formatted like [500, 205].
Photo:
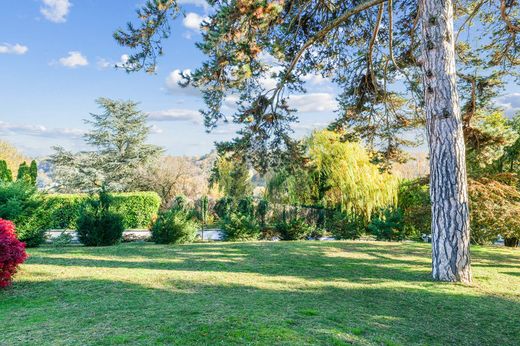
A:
[55, 10]
[268, 83]
[172, 83]
[313, 102]
[315, 79]
[309, 127]
[103, 63]
[18, 49]
[123, 61]
[39, 130]
[74, 59]
[510, 103]
[154, 129]
[176, 114]
[193, 21]
[199, 3]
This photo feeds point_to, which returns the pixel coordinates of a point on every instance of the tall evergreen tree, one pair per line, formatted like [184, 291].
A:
[5, 173]
[33, 172]
[368, 47]
[23, 173]
[118, 137]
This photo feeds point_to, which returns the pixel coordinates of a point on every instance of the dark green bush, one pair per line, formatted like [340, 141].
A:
[98, 225]
[237, 227]
[103, 229]
[245, 206]
[388, 225]
[22, 204]
[174, 226]
[137, 209]
[223, 207]
[296, 229]
[345, 226]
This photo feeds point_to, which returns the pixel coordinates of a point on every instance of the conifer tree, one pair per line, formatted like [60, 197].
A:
[5, 173]
[118, 139]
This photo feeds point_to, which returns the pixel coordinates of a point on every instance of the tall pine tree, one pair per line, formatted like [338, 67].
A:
[118, 137]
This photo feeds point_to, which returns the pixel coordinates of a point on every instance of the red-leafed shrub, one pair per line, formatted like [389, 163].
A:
[12, 252]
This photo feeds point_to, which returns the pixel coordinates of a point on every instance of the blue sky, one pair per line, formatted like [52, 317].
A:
[57, 57]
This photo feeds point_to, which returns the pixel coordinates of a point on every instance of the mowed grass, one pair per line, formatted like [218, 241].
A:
[282, 293]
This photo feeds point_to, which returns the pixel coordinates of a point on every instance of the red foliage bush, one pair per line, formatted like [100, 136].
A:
[12, 252]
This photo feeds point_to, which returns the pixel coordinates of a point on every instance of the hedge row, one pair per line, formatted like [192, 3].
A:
[137, 209]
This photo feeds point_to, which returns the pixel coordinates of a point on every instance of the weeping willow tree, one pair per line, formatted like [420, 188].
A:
[346, 177]
[335, 174]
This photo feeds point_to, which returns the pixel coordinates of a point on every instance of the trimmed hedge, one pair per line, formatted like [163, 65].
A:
[138, 209]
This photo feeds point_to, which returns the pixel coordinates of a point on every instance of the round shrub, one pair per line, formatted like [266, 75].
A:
[388, 225]
[296, 229]
[174, 227]
[100, 229]
[238, 227]
[345, 226]
[12, 252]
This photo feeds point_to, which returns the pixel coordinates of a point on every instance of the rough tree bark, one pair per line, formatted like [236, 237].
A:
[448, 181]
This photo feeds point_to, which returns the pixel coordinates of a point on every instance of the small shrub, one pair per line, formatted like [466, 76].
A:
[174, 227]
[345, 226]
[388, 225]
[239, 227]
[12, 252]
[295, 229]
[97, 225]
[100, 229]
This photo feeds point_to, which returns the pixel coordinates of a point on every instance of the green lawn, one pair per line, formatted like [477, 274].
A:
[281, 293]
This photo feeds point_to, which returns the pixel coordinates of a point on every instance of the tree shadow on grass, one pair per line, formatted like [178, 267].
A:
[353, 262]
[190, 312]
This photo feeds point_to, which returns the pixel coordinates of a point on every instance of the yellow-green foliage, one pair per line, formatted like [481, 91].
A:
[352, 181]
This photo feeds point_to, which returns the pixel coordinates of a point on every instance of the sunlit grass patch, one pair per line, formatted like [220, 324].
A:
[283, 293]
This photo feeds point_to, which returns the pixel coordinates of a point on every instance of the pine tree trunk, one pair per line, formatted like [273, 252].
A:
[448, 181]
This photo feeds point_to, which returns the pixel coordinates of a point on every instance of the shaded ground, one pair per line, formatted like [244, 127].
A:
[283, 293]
